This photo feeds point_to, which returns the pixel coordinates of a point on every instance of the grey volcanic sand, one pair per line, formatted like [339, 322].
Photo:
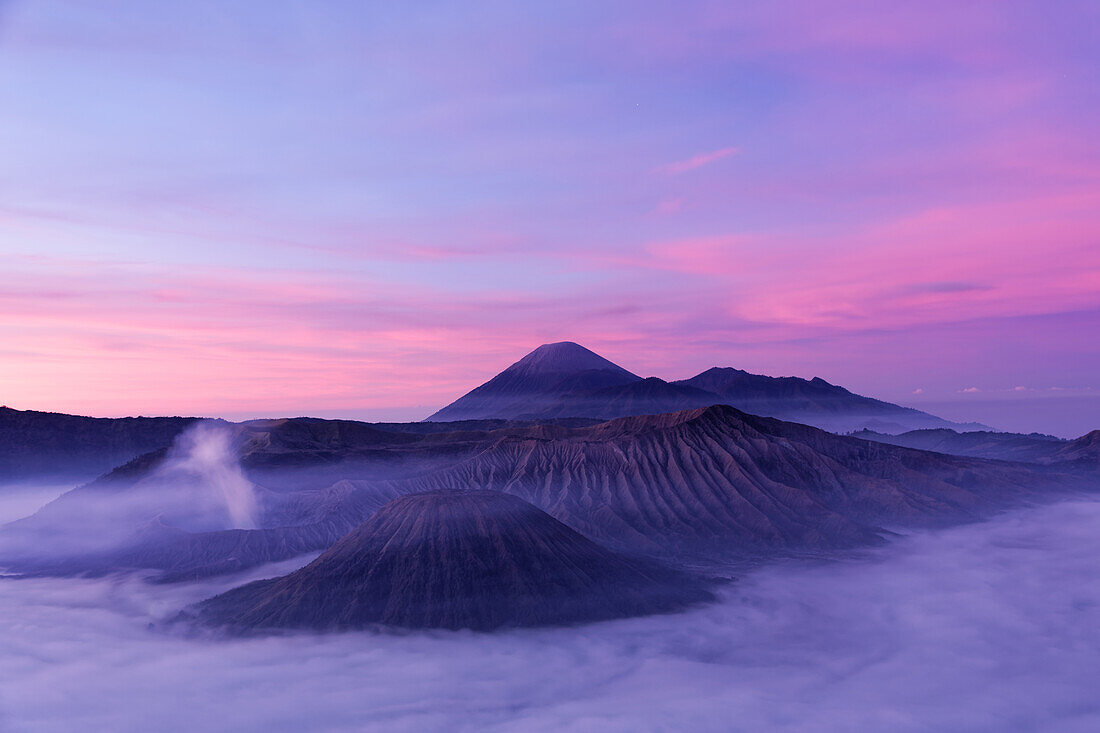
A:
[986, 627]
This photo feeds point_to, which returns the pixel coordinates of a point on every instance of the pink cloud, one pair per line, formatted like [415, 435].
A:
[696, 161]
[667, 207]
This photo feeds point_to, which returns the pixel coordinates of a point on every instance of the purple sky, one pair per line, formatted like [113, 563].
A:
[364, 210]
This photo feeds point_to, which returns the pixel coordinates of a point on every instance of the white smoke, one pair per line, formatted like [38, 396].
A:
[206, 451]
[199, 487]
[22, 499]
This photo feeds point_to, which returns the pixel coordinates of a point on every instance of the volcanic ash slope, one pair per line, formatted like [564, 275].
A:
[456, 559]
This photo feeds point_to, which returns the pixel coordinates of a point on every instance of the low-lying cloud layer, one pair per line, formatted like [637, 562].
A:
[993, 626]
[21, 500]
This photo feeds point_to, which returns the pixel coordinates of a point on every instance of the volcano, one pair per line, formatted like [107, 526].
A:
[694, 485]
[456, 559]
[535, 383]
[812, 402]
[565, 380]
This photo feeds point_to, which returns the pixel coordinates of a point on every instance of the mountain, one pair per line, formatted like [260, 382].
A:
[1083, 451]
[456, 560]
[697, 485]
[46, 446]
[716, 480]
[812, 402]
[651, 396]
[150, 514]
[1079, 455]
[1031, 448]
[536, 382]
[559, 381]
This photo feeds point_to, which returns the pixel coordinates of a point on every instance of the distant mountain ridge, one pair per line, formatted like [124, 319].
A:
[55, 446]
[1036, 448]
[1030, 448]
[565, 380]
[811, 402]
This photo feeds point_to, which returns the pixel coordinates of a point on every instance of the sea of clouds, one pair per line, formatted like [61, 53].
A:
[986, 627]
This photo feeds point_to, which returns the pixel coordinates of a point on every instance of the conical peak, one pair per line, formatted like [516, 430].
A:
[457, 559]
[534, 383]
[564, 357]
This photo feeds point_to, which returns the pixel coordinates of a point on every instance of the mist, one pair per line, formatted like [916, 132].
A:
[992, 626]
[19, 500]
[207, 453]
[199, 486]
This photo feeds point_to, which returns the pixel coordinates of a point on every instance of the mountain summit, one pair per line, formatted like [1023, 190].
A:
[565, 357]
[566, 380]
[536, 382]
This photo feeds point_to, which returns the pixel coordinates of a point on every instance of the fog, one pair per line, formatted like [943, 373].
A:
[993, 626]
[21, 499]
[199, 487]
[206, 453]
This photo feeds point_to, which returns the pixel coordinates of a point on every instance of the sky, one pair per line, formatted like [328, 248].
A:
[364, 209]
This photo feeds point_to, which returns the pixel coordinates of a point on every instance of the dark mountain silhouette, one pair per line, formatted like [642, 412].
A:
[650, 396]
[810, 401]
[1079, 455]
[567, 381]
[1030, 448]
[478, 560]
[54, 446]
[1084, 451]
[535, 383]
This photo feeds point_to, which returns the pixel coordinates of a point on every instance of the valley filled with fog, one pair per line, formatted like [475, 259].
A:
[989, 623]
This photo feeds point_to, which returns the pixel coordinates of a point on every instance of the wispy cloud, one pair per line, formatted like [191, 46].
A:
[945, 287]
[696, 161]
[666, 207]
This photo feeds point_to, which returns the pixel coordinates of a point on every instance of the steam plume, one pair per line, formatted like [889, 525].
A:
[207, 452]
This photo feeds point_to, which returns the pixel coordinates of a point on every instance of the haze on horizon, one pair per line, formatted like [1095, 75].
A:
[355, 210]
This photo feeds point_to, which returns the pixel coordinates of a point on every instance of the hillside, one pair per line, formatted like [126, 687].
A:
[707, 482]
[47, 446]
[477, 560]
